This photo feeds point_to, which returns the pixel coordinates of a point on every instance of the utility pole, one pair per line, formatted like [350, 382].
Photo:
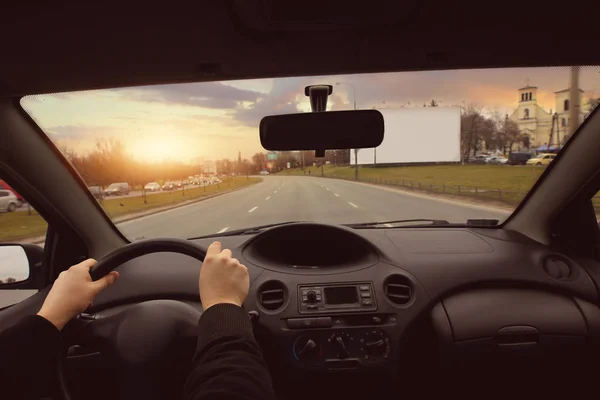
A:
[355, 150]
[355, 164]
[575, 107]
[557, 130]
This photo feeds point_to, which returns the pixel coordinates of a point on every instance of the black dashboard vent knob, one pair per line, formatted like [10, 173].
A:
[557, 268]
[398, 289]
[272, 295]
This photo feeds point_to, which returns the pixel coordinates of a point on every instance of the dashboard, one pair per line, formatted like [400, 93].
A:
[328, 298]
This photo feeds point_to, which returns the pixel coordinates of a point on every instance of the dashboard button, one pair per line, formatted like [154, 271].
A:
[324, 322]
[304, 292]
[300, 323]
[365, 294]
[304, 299]
[367, 302]
[364, 287]
[319, 297]
[312, 307]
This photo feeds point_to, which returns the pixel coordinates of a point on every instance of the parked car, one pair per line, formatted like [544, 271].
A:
[541, 159]
[97, 192]
[497, 160]
[117, 189]
[169, 185]
[4, 185]
[478, 159]
[264, 172]
[8, 201]
[518, 158]
[152, 187]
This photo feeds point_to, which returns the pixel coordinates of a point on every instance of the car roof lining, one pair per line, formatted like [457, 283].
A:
[97, 47]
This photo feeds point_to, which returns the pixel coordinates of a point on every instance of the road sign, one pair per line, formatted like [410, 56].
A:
[271, 156]
[288, 165]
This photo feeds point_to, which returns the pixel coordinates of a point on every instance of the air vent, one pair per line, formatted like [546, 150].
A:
[557, 268]
[398, 289]
[272, 295]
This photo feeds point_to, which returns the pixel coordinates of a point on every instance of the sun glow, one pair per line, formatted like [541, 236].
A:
[159, 149]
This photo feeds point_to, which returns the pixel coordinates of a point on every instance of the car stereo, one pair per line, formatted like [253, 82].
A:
[341, 297]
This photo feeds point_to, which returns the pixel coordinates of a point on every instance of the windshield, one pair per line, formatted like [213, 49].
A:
[459, 145]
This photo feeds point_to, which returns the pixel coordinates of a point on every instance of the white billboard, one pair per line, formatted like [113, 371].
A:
[416, 135]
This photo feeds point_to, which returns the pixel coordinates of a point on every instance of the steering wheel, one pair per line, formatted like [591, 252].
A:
[144, 340]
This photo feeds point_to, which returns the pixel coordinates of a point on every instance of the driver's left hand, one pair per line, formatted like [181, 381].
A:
[73, 292]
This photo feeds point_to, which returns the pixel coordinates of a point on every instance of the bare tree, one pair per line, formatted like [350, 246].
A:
[591, 105]
[471, 123]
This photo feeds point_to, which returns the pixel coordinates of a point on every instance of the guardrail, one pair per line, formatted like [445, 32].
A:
[495, 194]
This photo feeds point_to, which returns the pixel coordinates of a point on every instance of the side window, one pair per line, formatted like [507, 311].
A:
[19, 224]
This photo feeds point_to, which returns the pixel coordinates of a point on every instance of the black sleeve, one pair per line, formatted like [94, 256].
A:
[28, 353]
[228, 363]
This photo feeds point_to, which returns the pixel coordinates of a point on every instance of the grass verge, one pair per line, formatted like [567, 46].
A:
[19, 225]
[499, 183]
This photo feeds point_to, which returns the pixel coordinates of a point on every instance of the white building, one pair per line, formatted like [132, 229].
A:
[536, 122]
[208, 166]
[563, 107]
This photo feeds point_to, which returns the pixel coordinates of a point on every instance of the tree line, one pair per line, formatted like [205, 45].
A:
[492, 131]
[109, 162]
[298, 159]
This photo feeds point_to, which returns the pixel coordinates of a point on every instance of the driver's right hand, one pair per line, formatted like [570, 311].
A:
[222, 278]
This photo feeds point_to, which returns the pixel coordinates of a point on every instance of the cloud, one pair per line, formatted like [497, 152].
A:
[208, 95]
[286, 97]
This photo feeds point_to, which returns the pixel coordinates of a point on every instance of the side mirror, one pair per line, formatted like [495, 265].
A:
[19, 263]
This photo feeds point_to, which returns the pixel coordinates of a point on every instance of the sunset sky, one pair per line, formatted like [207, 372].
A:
[216, 120]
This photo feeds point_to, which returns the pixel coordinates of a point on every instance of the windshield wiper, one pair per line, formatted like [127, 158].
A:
[244, 231]
[432, 222]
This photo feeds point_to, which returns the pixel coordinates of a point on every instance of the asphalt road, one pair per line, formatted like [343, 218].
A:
[299, 198]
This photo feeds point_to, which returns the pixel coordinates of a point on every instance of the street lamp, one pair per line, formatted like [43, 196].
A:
[355, 150]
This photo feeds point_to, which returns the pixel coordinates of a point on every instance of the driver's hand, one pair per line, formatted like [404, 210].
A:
[222, 278]
[73, 292]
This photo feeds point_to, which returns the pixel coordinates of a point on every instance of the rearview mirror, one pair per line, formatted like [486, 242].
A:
[14, 264]
[322, 130]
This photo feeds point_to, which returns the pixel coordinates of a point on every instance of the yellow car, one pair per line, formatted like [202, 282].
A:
[541, 159]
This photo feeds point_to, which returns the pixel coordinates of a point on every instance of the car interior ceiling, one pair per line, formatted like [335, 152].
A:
[484, 310]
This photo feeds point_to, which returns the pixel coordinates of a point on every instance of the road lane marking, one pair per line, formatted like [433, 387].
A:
[327, 189]
[336, 195]
[275, 192]
[223, 230]
[389, 225]
[352, 204]
[268, 197]
[252, 209]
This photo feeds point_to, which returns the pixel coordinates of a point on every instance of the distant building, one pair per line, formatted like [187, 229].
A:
[563, 107]
[208, 166]
[536, 123]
